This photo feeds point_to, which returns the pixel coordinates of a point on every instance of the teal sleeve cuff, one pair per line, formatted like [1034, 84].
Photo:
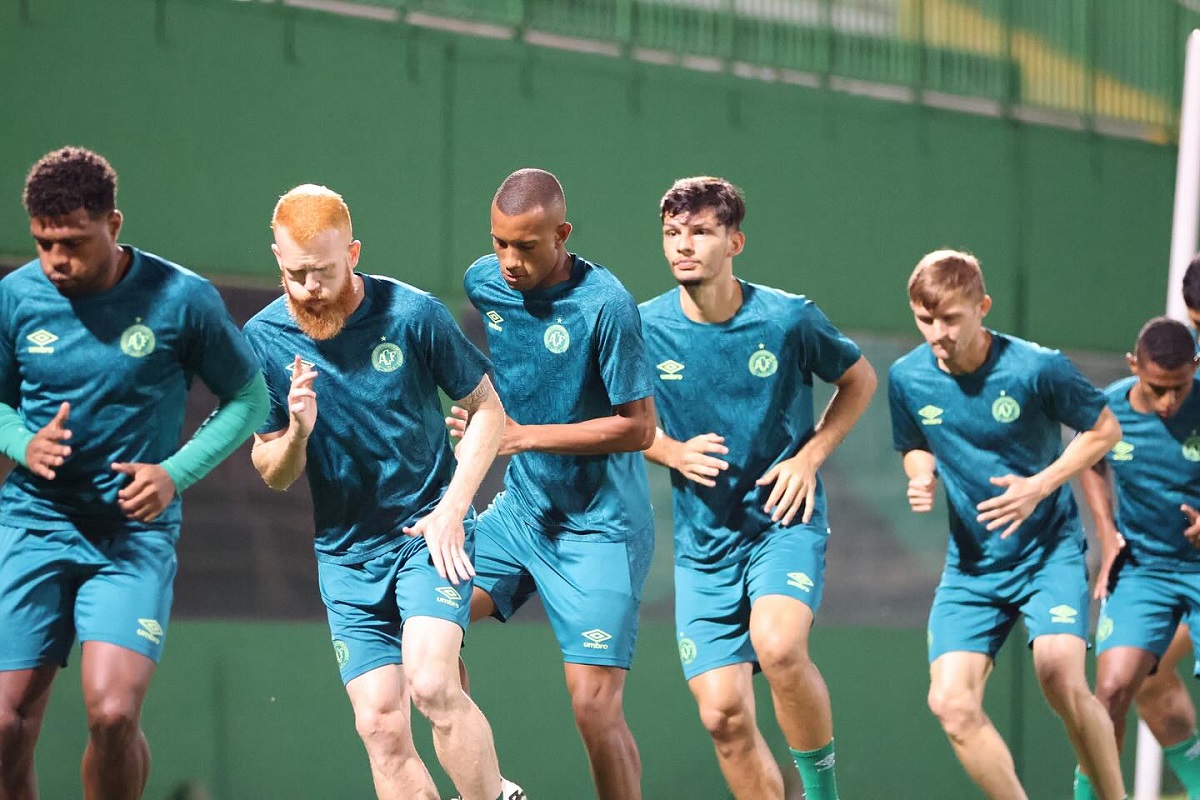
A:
[14, 436]
[233, 421]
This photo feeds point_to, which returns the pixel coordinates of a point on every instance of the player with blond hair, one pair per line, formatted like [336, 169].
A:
[982, 412]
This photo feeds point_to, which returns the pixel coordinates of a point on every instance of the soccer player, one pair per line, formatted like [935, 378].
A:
[99, 342]
[393, 513]
[1151, 548]
[574, 523]
[982, 411]
[735, 365]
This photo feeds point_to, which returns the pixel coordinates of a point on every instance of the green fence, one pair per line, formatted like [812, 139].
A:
[1095, 60]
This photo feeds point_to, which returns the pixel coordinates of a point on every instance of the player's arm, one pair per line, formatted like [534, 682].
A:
[629, 429]
[921, 468]
[1097, 493]
[1021, 495]
[691, 458]
[152, 486]
[443, 527]
[280, 456]
[795, 478]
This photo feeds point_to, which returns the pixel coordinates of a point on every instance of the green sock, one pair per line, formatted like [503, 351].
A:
[1184, 759]
[817, 773]
[1083, 787]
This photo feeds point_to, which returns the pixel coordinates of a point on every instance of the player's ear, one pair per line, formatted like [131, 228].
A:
[737, 243]
[985, 305]
[114, 221]
[355, 250]
[1132, 361]
[562, 232]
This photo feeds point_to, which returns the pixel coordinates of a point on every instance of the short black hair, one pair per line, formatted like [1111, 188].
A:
[690, 195]
[1166, 342]
[527, 189]
[1191, 284]
[70, 178]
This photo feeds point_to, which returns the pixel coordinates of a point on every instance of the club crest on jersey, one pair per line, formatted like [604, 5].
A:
[1191, 447]
[556, 338]
[137, 341]
[670, 370]
[42, 339]
[763, 363]
[1005, 409]
[387, 357]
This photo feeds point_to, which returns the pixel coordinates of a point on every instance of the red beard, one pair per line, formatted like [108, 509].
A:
[324, 320]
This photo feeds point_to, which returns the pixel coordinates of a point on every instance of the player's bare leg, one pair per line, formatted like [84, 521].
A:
[1058, 660]
[461, 735]
[725, 698]
[116, 761]
[1163, 701]
[597, 697]
[24, 694]
[957, 682]
[381, 716]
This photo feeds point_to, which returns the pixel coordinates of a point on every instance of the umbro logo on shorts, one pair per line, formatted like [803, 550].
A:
[449, 596]
[596, 639]
[150, 629]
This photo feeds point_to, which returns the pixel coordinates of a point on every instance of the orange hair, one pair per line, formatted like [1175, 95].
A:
[943, 274]
[309, 210]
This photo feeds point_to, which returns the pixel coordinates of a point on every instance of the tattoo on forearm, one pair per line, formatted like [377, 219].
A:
[476, 398]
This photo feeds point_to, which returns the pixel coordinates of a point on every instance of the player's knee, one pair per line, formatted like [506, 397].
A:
[781, 655]
[1065, 692]
[596, 705]
[380, 728]
[113, 719]
[17, 732]
[434, 693]
[1115, 694]
[726, 721]
[959, 713]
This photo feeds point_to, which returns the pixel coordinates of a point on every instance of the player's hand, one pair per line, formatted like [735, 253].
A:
[694, 463]
[459, 418]
[1108, 557]
[795, 487]
[921, 491]
[46, 450]
[1192, 533]
[302, 400]
[1021, 496]
[147, 494]
[446, 540]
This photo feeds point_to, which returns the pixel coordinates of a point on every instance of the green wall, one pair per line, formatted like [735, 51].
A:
[255, 711]
[211, 108]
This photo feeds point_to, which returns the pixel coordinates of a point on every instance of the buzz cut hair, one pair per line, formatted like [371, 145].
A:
[67, 179]
[1166, 342]
[1191, 284]
[692, 195]
[943, 274]
[309, 210]
[528, 189]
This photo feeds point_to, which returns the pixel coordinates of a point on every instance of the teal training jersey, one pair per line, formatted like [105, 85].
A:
[1003, 418]
[749, 379]
[379, 457]
[566, 354]
[1156, 468]
[124, 360]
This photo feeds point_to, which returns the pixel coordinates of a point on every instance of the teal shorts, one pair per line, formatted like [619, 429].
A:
[712, 606]
[367, 604]
[1145, 606]
[974, 613]
[59, 584]
[590, 585]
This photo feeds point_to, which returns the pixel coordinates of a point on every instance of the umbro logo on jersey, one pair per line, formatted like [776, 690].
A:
[1064, 615]
[305, 366]
[930, 415]
[151, 630]
[42, 339]
[1122, 451]
[449, 596]
[596, 639]
[800, 581]
[670, 370]
[494, 320]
